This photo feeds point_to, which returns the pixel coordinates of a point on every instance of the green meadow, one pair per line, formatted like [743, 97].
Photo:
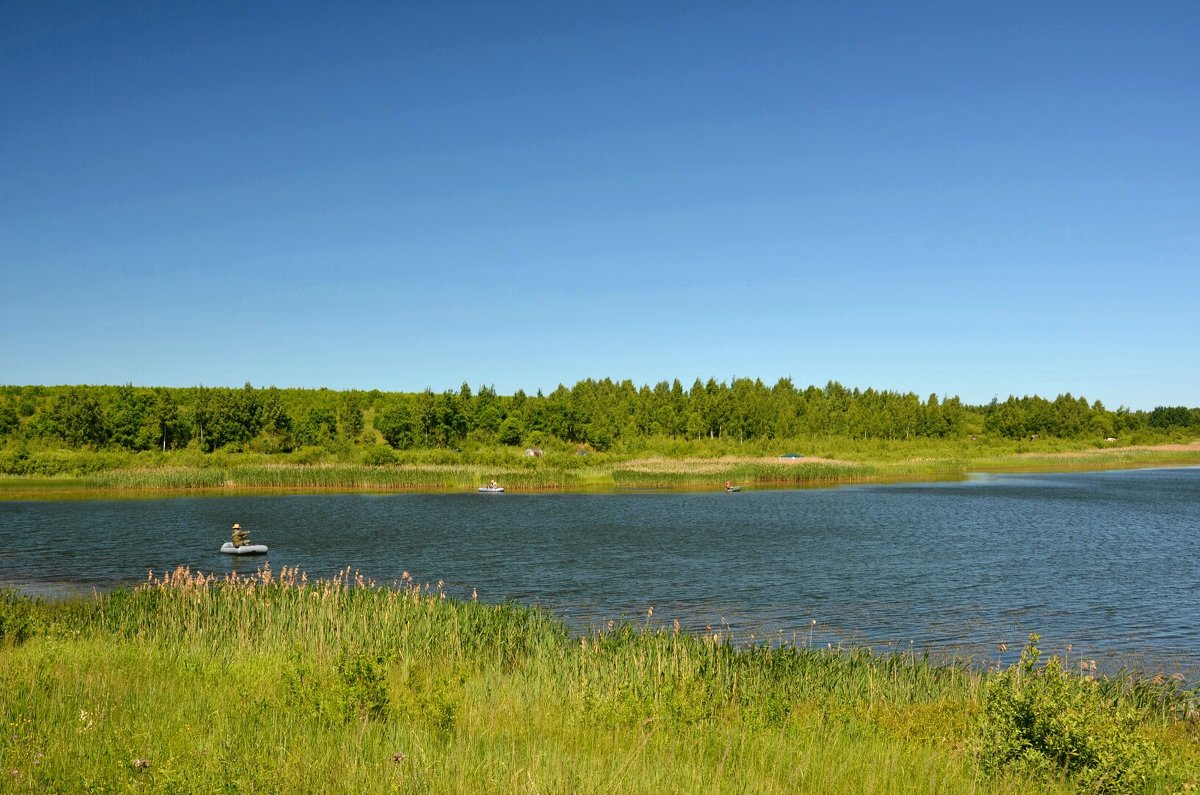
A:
[273, 683]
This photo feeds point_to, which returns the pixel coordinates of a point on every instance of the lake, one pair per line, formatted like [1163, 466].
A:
[1105, 561]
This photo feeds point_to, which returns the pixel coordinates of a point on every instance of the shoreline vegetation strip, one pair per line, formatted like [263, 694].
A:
[234, 473]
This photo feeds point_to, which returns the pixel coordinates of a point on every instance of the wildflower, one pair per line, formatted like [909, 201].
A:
[650, 611]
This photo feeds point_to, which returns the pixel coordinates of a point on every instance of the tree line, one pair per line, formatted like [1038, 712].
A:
[598, 413]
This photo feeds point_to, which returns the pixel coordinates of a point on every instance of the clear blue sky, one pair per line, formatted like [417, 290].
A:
[962, 198]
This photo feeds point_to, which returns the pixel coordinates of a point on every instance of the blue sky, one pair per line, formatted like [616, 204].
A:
[967, 199]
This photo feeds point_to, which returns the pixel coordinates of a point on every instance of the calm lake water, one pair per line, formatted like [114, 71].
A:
[1108, 562]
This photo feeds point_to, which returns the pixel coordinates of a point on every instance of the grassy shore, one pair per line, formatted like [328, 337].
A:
[272, 683]
[675, 466]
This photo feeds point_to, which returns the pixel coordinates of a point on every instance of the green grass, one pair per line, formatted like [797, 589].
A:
[272, 683]
[1068, 460]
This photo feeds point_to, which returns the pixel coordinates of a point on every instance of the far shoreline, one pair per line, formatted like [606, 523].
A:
[635, 475]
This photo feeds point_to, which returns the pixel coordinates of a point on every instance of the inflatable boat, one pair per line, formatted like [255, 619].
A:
[491, 489]
[246, 549]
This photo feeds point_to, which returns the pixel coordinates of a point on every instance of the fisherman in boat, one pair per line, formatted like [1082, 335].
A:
[728, 485]
[241, 537]
[493, 483]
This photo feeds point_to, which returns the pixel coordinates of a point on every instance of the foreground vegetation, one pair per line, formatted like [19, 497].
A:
[273, 683]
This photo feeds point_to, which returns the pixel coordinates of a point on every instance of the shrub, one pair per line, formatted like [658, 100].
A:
[14, 462]
[1043, 721]
[362, 682]
[308, 455]
[379, 455]
[17, 621]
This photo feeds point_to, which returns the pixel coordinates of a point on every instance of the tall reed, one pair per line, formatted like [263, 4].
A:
[273, 682]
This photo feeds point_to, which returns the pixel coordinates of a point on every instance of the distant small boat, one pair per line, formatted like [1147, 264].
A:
[732, 489]
[491, 489]
[245, 549]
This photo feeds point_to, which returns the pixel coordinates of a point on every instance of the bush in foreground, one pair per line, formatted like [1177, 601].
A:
[1043, 720]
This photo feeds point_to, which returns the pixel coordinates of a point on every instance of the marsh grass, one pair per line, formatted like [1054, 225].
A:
[1074, 460]
[713, 472]
[193, 683]
[351, 477]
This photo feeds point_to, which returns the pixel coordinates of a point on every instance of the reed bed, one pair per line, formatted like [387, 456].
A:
[353, 477]
[274, 683]
[442, 477]
[166, 478]
[713, 472]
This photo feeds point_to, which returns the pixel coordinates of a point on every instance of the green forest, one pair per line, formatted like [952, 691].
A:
[601, 415]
